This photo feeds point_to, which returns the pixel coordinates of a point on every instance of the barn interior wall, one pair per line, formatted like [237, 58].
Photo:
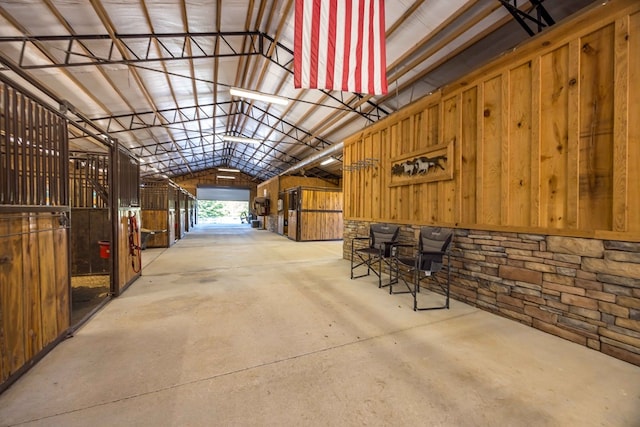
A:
[273, 189]
[533, 159]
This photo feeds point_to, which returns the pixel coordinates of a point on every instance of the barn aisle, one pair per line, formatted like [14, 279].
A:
[240, 326]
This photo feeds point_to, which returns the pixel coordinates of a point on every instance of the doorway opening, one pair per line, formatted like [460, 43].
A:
[223, 205]
[90, 234]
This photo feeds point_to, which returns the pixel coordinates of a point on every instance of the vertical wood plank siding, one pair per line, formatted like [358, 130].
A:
[546, 139]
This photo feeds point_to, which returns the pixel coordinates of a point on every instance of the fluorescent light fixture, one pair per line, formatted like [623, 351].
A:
[228, 170]
[231, 138]
[226, 177]
[242, 93]
[327, 161]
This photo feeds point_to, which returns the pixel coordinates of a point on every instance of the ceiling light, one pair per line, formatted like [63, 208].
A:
[231, 138]
[242, 93]
[326, 162]
[226, 177]
[228, 170]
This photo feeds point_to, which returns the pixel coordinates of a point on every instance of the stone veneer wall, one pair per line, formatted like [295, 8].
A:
[583, 290]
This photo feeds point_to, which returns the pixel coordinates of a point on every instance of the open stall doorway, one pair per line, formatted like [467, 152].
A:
[90, 233]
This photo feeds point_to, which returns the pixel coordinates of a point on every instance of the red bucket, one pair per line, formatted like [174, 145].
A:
[105, 249]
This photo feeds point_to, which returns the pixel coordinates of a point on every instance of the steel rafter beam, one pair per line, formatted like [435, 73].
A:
[159, 149]
[103, 49]
[136, 121]
[210, 163]
[174, 116]
[542, 19]
[297, 134]
[260, 44]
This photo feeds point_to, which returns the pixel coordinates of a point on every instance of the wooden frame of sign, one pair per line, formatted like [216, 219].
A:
[433, 164]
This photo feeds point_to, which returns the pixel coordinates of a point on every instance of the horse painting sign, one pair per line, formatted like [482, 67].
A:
[433, 164]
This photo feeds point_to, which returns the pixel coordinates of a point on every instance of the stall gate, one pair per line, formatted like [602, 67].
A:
[34, 231]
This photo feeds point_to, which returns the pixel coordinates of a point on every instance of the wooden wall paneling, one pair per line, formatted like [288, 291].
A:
[433, 128]
[320, 226]
[292, 229]
[376, 171]
[573, 141]
[505, 148]
[406, 133]
[596, 129]
[156, 219]
[420, 206]
[47, 268]
[355, 191]
[384, 173]
[62, 277]
[620, 195]
[633, 113]
[419, 134]
[286, 182]
[391, 205]
[449, 125]
[554, 138]
[307, 198]
[534, 159]
[353, 182]
[367, 187]
[520, 148]
[491, 175]
[31, 281]
[11, 296]
[346, 178]
[480, 154]
[468, 147]
[405, 202]
[361, 174]
[304, 234]
[353, 176]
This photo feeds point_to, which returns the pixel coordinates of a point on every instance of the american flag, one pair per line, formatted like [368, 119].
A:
[340, 45]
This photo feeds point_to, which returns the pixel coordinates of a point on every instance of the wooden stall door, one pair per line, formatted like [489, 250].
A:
[34, 287]
[292, 228]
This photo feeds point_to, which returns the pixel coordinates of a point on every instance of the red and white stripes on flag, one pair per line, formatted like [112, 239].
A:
[340, 45]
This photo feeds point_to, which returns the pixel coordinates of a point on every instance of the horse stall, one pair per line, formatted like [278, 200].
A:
[190, 210]
[314, 214]
[158, 213]
[181, 212]
[34, 231]
[90, 235]
[126, 256]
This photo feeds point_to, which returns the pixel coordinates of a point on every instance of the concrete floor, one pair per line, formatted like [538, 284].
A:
[239, 326]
